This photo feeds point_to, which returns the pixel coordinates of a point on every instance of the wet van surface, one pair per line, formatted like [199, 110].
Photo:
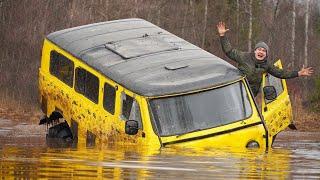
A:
[129, 82]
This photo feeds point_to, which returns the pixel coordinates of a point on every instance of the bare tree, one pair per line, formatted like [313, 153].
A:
[306, 33]
[184, 20]
[250, 26]
[238, 21]
[193, 17]
[248, 10]
[22, 33]
[107, 9]
[293, 26]
[270, 23]
[205, 23]
[135, 10]
[293, 33]
[159, 15]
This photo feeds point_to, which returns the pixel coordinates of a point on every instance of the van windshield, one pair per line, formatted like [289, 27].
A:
[192, 112]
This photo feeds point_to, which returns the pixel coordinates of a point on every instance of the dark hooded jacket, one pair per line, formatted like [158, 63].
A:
[253, 68]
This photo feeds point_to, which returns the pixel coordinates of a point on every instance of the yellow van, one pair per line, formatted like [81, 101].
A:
[131, 82]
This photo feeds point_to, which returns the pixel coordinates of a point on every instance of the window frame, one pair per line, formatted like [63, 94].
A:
[76, 88]
[134, 100]
[56, 72]
[267, 83]
[111, 111]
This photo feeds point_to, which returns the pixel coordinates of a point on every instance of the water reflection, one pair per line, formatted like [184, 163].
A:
[36, 160]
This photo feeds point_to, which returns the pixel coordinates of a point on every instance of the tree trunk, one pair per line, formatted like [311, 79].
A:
[192, 20]
[184, 21]
[2, 14]
[72, 14]
[238, 22]
[205, 24]
[306, 34]
[159, 15]
[136, 8]
[107, 9]
[43, 25]
[250, 26]
[293, 35]
[273, 28]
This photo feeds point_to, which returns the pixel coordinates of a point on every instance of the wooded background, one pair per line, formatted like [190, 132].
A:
[290, 27]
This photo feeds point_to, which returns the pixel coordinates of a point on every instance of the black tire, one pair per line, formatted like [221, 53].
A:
[60, 131]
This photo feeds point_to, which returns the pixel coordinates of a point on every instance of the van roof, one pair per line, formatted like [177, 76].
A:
[144, 58]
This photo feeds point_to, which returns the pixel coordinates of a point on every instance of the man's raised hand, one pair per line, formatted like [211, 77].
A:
[305, 71]
[222, 28]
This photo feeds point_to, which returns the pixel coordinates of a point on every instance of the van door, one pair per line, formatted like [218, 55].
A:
[277, 113]
[130, 110]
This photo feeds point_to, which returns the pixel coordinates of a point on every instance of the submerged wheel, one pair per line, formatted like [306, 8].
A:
[60, 131]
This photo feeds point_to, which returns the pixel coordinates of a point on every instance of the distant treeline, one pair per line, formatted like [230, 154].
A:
[288, 26]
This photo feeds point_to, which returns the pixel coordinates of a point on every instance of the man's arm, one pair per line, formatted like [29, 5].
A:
[232, 53]
[283, 74]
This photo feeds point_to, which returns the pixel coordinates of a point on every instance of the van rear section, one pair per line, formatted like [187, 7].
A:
[131, 82]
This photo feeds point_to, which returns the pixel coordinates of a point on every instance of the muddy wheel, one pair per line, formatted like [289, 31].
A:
[60, 131]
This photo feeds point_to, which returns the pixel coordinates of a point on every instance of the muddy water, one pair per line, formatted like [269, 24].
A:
[25, 154]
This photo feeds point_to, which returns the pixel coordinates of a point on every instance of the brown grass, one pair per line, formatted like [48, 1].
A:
[19, 111]
[304, 119]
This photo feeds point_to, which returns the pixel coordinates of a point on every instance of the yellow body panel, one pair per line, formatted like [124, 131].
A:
[89, 115]
[213, 138]
[110, 129]
[277, 113]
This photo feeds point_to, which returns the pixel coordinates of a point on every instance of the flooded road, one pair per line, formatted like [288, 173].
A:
[25, 154]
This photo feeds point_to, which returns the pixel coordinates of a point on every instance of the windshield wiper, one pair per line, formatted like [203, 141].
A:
[184, 133]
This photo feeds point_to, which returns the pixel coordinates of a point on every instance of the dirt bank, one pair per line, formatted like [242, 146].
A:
[20, 127]
[19, 122]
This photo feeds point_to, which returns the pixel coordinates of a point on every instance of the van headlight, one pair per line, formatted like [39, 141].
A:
[252, 144]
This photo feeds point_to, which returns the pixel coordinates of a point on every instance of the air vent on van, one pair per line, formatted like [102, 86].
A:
[144, 45]
[175, 66]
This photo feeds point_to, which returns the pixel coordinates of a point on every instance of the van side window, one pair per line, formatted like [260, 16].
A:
[61, 67]
[109, 97]
[87, 84]
[131, 109]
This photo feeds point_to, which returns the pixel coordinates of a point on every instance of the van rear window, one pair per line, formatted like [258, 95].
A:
[87, 84]
[61, 67]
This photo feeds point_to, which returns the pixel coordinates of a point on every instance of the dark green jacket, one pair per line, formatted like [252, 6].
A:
[253, 68]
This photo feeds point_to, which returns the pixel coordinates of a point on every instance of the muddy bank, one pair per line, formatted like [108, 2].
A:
[307, 122]
[20, 127]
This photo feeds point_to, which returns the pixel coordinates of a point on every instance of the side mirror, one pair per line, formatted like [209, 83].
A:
[270, 93]
[131, 127]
